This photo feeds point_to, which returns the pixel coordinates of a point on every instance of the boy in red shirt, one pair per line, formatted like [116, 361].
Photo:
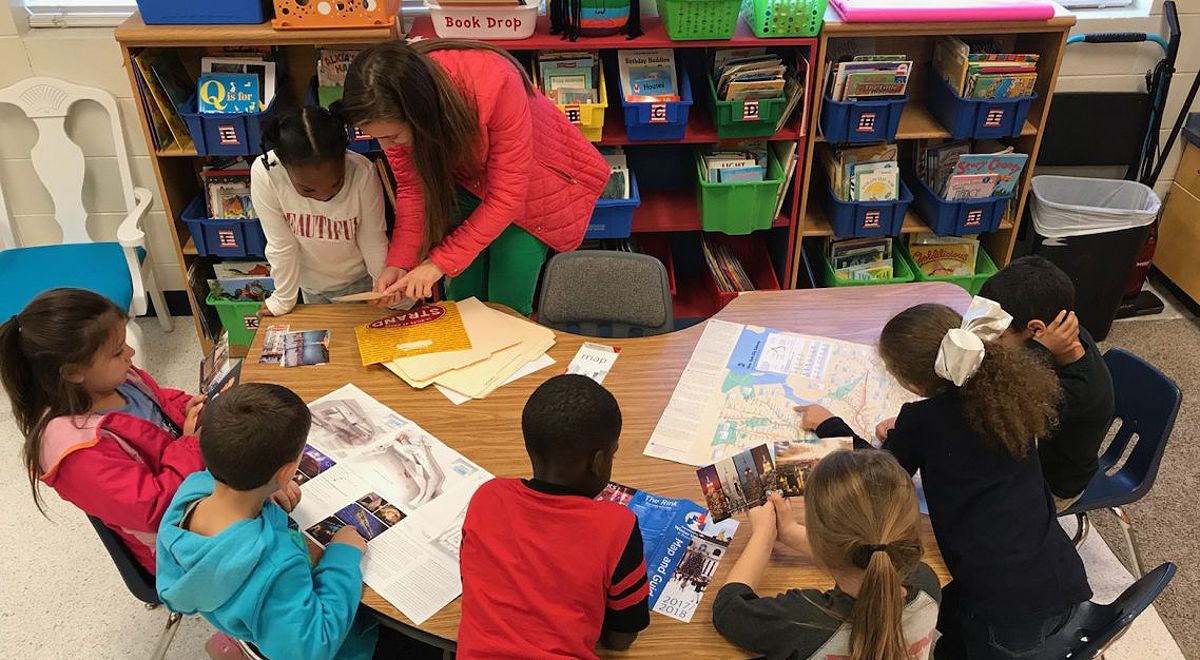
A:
[547, 571]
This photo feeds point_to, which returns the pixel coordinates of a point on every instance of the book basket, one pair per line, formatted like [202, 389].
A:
[324, 14]
[699, 19]
[784, 18]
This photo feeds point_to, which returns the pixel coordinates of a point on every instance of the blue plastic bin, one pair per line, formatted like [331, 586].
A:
[860, 219]
[861, 121]
[969, 216]
[357, 140]
[235, 134]
[659, 121]
[613, 218]
[975, 118]
[208, 12]
[223, 238]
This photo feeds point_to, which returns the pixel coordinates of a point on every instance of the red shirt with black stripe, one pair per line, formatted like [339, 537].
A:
[545, 569]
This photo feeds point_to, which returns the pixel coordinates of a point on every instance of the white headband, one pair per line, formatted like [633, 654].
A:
[961, 352]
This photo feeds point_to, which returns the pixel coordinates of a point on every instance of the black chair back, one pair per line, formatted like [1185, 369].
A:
[138, 580]
[1094, 626]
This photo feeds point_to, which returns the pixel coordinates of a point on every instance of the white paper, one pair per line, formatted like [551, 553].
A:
[531, 366]
[404, 491]
[594, 361]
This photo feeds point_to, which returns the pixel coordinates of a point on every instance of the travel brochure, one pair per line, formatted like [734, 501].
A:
[745, 480]
[978, 68]
[862, 258]
[219, 371]
[305, 348]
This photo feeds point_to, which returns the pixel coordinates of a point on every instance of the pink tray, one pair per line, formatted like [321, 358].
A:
[912, 11]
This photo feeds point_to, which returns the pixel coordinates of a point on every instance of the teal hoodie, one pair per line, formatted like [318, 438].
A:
[254, 581]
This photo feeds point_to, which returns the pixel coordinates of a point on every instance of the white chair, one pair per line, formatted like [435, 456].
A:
[113, 269]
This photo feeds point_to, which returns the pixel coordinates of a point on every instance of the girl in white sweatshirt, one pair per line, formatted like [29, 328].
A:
[321, 208]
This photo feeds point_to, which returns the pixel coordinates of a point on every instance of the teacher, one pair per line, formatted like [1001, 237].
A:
[489, 173]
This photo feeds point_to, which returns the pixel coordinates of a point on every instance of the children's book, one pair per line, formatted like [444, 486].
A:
[161, 105]
[682, 544]
[876, 182]
[218, 371]
[228, 93]
[234, 269]
[648, 75]
[1006, 166]
[943, 255]
[264, 70]
[246, 289]
[970, 186]
[173, 79]
[1001, 85]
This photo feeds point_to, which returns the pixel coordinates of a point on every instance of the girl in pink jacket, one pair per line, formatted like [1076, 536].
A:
[98, 430]
[489, 173]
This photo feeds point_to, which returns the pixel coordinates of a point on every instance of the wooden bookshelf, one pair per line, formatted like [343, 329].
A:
[1046, 38]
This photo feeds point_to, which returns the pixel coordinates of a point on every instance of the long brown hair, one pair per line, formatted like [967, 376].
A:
[57, 329]
[400, 82]
[861, 512]
[1010, 401]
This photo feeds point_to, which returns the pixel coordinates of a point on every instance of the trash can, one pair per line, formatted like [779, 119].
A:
[1093, 229]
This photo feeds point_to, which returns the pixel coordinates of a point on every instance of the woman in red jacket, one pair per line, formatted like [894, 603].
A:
[489, 173]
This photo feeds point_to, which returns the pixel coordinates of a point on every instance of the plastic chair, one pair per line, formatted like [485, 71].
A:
[606, 293]
[1094, 627]
[139, 582]
[111, 268]
[1146, 405]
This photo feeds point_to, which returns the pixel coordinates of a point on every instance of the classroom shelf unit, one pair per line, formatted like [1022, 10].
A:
[916, 40]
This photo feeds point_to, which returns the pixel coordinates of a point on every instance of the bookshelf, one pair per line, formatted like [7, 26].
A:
[916, 40]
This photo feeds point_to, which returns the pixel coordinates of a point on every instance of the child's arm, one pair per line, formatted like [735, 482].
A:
[790, 532]
[627, 610]
[307, 613]
[1061, 339]
[749, 567]
[819, 420]
[283, 250]
[372, 228]
[901, 440]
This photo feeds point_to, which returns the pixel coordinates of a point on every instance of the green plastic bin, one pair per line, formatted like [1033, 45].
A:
[984, 268]
[784, 18]
[744, 119]
[239, 318]
[902, 272]
[692, 20]
[738, 208]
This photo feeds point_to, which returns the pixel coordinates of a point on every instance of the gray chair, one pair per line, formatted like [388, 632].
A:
[606, 294]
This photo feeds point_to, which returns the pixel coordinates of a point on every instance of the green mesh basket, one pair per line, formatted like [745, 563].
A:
[691, 20]
[784, 18]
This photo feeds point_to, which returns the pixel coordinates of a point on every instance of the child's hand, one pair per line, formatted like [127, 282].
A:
[1061, 338]
[419, 282]
[349, 536]
[386, 283]
[762, 519]
[287, 497]
[191, 418]
[883, 428]
[812, 416]
[788, 529]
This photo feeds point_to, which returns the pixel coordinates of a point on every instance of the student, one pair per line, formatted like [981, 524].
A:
[1017, 577]
[547, 570]
[321, 208]
[489, 173]
[1039, 296]
[97, 429]
[862, 526]
[228, 552]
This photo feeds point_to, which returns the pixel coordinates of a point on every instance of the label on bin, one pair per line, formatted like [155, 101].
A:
[573, 114]
[658, 113]
[871, 220]
[226, 238]
[994, 118]
[866, 123]
[974, 218]
[750, 110]
[228, 134]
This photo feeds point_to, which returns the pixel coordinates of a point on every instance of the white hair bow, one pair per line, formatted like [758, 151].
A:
[961, 352]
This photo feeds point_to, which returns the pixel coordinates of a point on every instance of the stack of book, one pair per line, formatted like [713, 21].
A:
[569, 77]
[735, 161]
[863, 174]
[165, 88]
[976, 68]
[726, 270]
[240, 82]
[861, 258]
[618, 178]
[753, 73]
[868, 76]
[942, 256]
[241, 280]
[648, 75]
[332, 65]
[227, 190]
[960, 170]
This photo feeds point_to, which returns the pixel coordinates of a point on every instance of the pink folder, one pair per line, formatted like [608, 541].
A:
[912, 11]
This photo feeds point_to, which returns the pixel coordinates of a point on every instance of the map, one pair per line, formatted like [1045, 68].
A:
[742, 383]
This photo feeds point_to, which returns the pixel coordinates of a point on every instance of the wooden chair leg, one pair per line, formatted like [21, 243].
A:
[1135, 556]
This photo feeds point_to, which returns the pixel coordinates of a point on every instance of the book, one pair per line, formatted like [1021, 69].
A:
[793, 90]
[233, 269]
[871, 78]
[787, 155]
[177, 132]
[333, 64]
[228, 93]
[219, 371]
[839, 164]
[264, 70]
[227, 194]
[722, 56]
[1001, 85]
[941, 256]
[1006, 166]
[751, 76]
[618, 184]
[970, 186]
[861, 258]
[566, 70]
[648, 75]
[876, 182]
[245, 289]
[173, 79]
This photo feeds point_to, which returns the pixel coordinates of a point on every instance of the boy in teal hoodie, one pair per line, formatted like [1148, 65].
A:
[226, 549]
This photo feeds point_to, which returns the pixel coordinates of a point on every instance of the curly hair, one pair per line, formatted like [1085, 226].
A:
[1011, 401]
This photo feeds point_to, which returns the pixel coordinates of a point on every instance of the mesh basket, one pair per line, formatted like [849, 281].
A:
[699, 19]
[785, 18]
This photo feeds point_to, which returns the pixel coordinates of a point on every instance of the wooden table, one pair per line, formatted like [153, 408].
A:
[643, 378]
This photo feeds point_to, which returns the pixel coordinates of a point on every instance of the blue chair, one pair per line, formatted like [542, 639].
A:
[138, 580]
[1147, 403]
[1094, 627]
[34, 259]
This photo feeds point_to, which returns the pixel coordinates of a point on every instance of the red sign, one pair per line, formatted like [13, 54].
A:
[410, 318]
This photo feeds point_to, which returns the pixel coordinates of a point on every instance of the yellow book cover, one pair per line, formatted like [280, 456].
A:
[944, 260]
[426, 329]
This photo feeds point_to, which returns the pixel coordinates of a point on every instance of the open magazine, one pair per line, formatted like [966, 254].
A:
[682, 545]
[403, 490]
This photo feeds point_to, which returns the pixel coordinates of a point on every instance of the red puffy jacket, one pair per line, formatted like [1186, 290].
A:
[548, 185]
[122, 469]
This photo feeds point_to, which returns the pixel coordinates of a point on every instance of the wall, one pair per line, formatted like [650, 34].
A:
[91, 56]
[88, 56]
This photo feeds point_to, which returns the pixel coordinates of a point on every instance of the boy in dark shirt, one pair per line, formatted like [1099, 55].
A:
[547, 570]
[1039, 296]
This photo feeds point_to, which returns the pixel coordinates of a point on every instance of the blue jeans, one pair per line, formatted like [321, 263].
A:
[364, 283]
[967, 636]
